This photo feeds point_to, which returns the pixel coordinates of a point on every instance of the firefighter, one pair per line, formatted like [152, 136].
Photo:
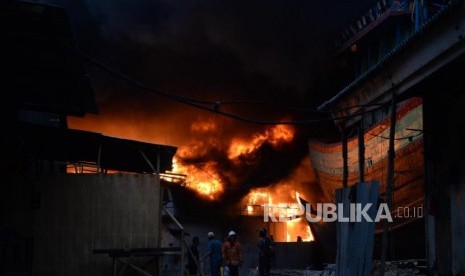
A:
[232, 255]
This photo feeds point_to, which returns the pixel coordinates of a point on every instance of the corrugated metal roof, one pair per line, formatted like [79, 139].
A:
[68, 145]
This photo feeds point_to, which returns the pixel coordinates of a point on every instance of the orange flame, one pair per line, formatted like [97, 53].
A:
[202, 179]
[256, 196]
[283, 204]
[298, 228]
[275, 136]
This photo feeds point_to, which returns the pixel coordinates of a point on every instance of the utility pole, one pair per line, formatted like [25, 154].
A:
[361, 151]
[345, 168]
[389, 181]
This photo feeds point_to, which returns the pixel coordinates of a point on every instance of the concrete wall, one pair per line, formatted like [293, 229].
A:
[68, 216]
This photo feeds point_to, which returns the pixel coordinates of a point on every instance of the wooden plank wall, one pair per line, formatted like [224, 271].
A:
[355, 239]
[75, 214]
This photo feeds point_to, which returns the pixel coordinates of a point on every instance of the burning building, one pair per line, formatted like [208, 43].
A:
[140, 198]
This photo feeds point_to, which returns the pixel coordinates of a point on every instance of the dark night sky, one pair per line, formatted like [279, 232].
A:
[269, 50]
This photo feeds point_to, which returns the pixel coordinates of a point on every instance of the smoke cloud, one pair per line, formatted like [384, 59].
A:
[269, 51]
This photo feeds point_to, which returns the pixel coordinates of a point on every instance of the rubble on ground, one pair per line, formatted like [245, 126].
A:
[401, 268]
[395, 268]
[330, 270]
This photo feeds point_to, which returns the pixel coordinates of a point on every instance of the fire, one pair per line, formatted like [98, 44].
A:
[194, 159]
[275, 136]
[298, 228]
[282, 204]
[204, 126]
[257, 196]
[205, 178]
[201, 178]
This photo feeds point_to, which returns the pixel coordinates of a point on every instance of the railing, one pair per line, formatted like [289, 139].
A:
[419, 11]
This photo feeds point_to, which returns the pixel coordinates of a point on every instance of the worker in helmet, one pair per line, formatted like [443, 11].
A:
[215, 254]
[232, 255]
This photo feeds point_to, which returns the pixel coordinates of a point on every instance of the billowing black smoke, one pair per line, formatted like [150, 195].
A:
[270, 51]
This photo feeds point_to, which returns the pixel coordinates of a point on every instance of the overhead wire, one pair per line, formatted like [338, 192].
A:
[199, 167]
[215, 106]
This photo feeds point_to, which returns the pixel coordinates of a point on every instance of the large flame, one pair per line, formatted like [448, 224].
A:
[275, 136]
[204, 174]
[204, 177]
[298, 228]
[201, 178]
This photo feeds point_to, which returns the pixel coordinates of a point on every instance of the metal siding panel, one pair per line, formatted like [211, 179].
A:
[84, 212]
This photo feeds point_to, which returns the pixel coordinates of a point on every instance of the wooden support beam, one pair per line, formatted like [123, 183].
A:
[126, 265]
[148, 161]
[183, 252]
[361, 151]
[99, 158]
[114, 266]
[430, 220]
[134, 267]
[158, 161]
[345, 166]
[389, 181]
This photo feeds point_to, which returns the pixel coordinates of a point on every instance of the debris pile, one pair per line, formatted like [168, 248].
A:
[330, 270]
[402, 268]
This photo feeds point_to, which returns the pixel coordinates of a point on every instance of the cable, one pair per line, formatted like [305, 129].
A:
[294, 108]
[203, 105]
[286, 107]
[200, 168]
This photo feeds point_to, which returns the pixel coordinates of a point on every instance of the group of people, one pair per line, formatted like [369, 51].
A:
[229, 255]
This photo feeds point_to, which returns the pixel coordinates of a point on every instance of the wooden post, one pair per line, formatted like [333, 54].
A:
[389, 181]
[99, 157]
[159, 258]
[345, 167]
[114, 266]
[158, 161]
[148, 161]
[361, 152]
[430, 220]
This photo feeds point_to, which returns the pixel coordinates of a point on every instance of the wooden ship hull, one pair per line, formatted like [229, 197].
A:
[409, 177]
